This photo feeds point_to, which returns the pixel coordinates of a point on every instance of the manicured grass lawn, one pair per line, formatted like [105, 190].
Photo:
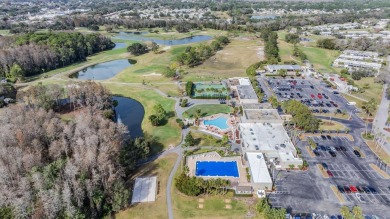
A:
[213, 206]
[207, 110]
[231, 61]
[359, 103]
[158, 209]
[167, 134]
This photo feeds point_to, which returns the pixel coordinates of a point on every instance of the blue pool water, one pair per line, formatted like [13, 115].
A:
[219, 122]
[217, 168]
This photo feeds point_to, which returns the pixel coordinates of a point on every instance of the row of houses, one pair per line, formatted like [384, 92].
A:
[354, 60]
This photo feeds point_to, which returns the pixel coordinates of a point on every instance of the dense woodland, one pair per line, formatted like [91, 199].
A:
[32, 54]
[51, 168]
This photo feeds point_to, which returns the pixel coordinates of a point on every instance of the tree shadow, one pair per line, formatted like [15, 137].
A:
[165, 120]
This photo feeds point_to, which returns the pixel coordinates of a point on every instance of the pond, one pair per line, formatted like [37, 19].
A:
[138, 36]
[131, 113]
[103, 71]
[120, 45]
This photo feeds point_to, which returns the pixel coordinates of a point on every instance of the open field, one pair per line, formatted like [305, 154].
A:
[168, 134]
[321, 58]
[230, 61]
[158, 209]
[207, 110]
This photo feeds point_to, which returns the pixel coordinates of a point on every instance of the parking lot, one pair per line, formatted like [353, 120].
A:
[298, 191]
[312, 93]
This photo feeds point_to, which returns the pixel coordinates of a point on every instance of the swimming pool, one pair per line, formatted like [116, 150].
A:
[219, 122]
[217, 168]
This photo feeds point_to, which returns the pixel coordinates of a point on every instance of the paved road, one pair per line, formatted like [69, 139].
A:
[381, 117]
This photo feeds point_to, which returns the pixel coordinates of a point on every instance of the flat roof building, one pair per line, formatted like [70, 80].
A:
[246, 94]
[260, 176]
[288, 68]
[261, 115]
[270, 139]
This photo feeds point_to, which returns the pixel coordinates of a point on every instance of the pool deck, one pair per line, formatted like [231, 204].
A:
[214, 156]
[232, 122]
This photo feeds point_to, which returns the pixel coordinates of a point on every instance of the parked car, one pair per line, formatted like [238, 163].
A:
[329, 173]
[332, 148]
[343, 148]
[328, 137]
[323, 137]
[357, 153]
[316, 153]
[332, 153]
[325, 166]
[347, 190]
[360, 189]
[373, 191]
[366, 190]
[353, 189]
[335, 92]
[341, 189]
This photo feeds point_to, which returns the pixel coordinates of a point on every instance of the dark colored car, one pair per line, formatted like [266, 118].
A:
[343, 148]
[324, 149]
[325, 166]
[329, 173]
[339, 217]
[347, 190]
[360, 189]
[341, 189]
[335, 92]
[332, 153]
[328, 137]
[366, 190]
[323, 137]
[338, 148]
[316, 153]
[357, 153]
[373, 191]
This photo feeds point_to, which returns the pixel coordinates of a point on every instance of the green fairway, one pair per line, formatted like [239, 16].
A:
[168, 134]
[207, 110]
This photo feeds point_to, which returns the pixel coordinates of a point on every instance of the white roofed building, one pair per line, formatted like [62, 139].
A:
[260, 176]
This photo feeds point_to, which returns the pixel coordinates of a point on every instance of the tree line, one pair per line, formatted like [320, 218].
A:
[32, 54]
[52, 168]
[361, 44]
[193, 56]
[194, 186]
[271, 48]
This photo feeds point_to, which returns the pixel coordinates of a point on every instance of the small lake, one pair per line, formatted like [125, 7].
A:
[120, 45]
[131, 113]
[103, 71]
[139, 36]
[262, 17]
